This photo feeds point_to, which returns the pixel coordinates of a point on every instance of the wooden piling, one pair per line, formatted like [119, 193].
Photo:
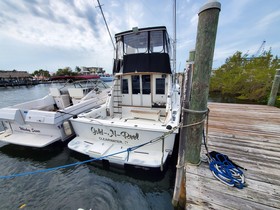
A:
[204, 52]
[179, 197]
[274, 89]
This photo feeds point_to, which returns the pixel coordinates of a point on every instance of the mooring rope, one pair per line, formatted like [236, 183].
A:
[128, 150]
[90, 160]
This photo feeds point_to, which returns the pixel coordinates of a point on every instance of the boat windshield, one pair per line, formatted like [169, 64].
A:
[136, 43]
[85, 84]
[90, 83]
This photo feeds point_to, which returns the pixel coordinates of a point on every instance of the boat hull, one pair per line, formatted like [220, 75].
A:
[123, 144]
[19, 138]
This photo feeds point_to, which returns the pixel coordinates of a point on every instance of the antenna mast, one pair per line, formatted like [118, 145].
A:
[100, 7]
[174, 38]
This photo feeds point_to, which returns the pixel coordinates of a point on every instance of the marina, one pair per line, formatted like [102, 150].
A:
[147, 136]
[248, 134]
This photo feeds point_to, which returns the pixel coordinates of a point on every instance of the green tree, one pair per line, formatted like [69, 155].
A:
[246, 77]
[41, 72]
[78, 69]
[67, 71]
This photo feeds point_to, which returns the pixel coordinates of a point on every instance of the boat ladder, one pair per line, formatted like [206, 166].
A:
[117, 97]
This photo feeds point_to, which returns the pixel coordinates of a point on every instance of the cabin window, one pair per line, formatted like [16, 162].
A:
[124, 86]
[160, 86]
[136, 43]
[146, 84]
[135, 84]
[156, 41]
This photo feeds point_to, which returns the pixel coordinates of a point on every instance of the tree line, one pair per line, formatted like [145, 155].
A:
[246, 78]
[60, 72]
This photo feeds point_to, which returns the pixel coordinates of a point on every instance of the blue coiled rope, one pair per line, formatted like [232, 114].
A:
[224, 169]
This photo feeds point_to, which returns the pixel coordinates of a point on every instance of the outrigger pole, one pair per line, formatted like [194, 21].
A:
[100, 7]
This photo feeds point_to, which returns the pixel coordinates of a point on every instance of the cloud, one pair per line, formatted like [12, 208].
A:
[268, 20]
[235, 10]
[76, 26]
[37, 23]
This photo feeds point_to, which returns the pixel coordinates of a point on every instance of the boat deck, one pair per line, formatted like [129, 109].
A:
[250, 136]
[146, 119]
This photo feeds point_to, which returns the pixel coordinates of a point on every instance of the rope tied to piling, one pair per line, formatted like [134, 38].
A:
[220, 165]
[191, 111]
[195, 111]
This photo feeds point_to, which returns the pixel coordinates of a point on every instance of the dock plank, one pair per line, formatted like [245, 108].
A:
[250, 136]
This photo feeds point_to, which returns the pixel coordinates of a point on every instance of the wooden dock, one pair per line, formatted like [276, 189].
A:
[250, 136]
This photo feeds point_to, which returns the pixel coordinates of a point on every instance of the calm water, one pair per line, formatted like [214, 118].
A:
[88, 186]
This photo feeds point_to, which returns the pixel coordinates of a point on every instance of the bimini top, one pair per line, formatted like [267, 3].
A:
[143, 50]
[135, 29]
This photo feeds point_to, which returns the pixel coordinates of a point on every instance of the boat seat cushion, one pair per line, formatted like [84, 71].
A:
[76, 93]
[55, 92]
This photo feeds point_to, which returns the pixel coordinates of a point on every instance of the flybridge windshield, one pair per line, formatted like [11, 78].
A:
[136, 43]
[143, 42]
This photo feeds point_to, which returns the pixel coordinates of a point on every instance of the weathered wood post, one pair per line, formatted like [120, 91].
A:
[179, 195]
[204, 52]
[274, 89]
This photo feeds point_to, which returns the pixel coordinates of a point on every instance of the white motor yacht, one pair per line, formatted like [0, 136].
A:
[139, 121]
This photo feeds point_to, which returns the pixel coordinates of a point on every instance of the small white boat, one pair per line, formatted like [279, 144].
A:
[139, 121]
[41, 122]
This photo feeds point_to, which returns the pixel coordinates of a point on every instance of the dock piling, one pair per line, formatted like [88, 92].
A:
[204, 52]
[179, 197]
[274, 89]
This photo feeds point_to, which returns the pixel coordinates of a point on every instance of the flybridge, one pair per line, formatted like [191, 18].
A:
[143, 50]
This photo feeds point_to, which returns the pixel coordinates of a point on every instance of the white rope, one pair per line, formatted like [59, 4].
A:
[194, 111]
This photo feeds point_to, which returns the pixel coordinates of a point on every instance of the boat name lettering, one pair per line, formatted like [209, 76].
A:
[114, 133]
[129, 136]
[35, 131]
[32, 130]
[97, 131]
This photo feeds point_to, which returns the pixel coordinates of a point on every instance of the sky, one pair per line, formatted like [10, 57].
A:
[53, 34]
